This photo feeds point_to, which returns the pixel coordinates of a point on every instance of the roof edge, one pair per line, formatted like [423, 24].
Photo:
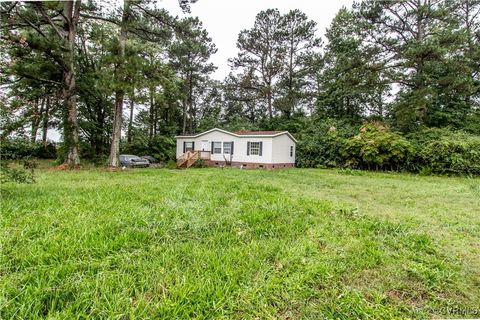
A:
[237, 135]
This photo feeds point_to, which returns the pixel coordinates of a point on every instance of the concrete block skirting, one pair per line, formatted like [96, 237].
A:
[250, 165]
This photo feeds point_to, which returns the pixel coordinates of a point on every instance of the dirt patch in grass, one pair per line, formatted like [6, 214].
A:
[65, 167]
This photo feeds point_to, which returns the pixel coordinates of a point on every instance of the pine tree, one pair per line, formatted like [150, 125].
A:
[352, 84]
[261, 56]
[301, 44]
[422, 45]
[189, 55]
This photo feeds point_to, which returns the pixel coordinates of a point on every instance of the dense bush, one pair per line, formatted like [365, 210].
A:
[19, 148]
[15, 174]
[19, 171]
[373, 146]
[321, 142]
[445, 151]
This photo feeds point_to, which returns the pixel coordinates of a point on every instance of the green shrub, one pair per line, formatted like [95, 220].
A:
[330, 143]
[200, 163]
[375, 147]
[97, 155]
[320, 143]
[10, 171]
[446, 152]
[11, 149]
[171, 164]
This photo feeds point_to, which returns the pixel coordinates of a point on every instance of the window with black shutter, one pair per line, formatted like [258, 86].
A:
[254, 148]
[188, 146]
[228, 147]
[216, 147]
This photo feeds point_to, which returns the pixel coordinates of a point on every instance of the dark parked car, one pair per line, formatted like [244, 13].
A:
[128, 160]
[150, 159]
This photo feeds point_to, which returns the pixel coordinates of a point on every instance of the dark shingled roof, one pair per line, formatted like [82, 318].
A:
[246, 132]
[241, 133]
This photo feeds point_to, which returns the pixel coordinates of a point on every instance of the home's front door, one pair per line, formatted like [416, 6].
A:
[205, 145]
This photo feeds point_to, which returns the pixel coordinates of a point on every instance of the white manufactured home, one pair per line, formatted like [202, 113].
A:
[247, 149]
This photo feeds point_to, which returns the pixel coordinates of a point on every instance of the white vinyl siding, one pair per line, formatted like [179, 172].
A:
[274, 149]
[283, 149]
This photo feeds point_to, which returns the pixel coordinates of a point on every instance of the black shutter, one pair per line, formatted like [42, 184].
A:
[248, 148]
[261, 147]
[213, 150]
[184, 146]
[231, 149]
[193, 146]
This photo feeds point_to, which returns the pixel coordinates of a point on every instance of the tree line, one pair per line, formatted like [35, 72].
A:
[95, 72]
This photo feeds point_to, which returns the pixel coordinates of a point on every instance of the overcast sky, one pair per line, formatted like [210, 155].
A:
[224, 19]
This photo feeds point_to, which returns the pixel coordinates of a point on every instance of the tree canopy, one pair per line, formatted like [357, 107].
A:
[113, 78]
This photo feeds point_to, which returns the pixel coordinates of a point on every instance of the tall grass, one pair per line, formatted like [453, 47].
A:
[210, 243]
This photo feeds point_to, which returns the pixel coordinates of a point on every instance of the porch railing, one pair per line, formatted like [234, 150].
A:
[187, 159]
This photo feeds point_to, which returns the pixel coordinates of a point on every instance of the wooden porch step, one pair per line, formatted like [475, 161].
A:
[189, 158]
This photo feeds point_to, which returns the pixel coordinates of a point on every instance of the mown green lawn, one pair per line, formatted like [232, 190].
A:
[241, 244]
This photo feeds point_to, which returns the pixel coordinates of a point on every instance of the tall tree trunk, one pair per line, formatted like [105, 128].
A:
[194, 117]
[100, 139]
[469, 21]
[290, 100]
[150, 128]
[130, 119]
[422, 17]
[155, 118]
[113, 160]
[269, 102]
[269, 97]
[184, 126]
[120, 91]
[46, 116]
[36, 120]
[191, 110]
[71, 15]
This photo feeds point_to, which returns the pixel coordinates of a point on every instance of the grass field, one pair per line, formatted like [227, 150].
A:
[212, 243]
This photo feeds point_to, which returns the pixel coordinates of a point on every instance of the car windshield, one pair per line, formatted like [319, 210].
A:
[129, 158]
